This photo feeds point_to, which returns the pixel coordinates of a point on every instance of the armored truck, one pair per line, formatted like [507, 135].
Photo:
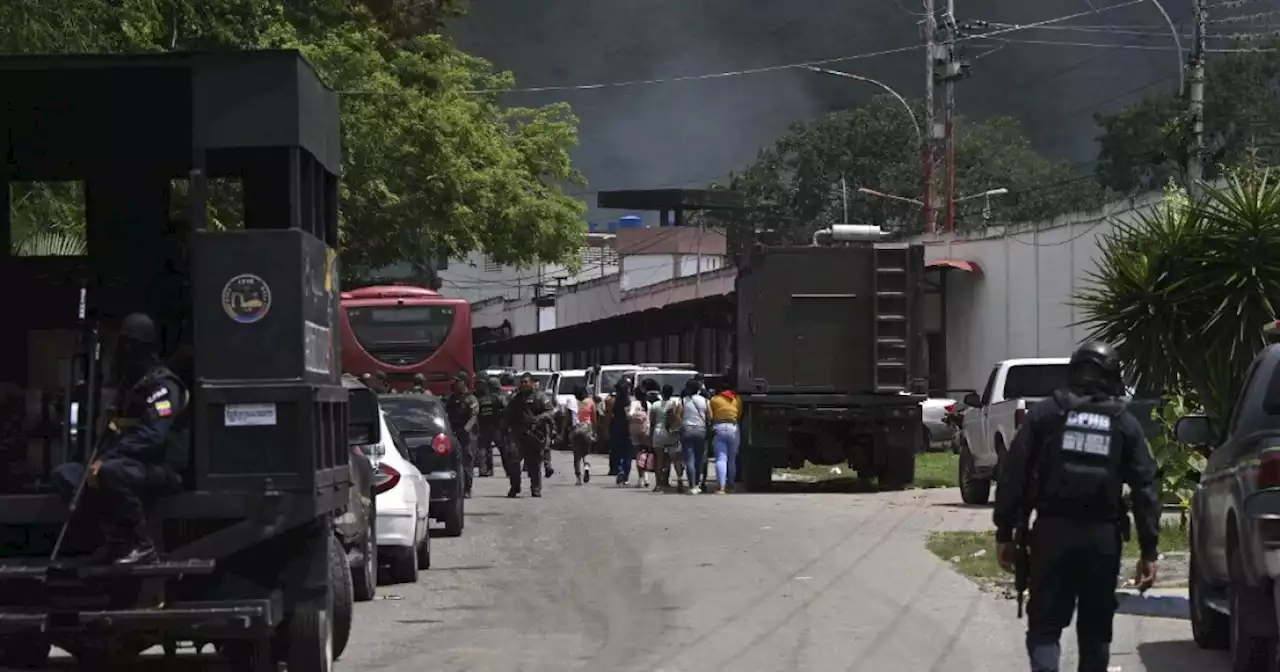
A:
[245, 310]
[828, 357]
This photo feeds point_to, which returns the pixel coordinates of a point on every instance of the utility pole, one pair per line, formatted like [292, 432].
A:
[948, 70]
[1195, 153]
[930, 139]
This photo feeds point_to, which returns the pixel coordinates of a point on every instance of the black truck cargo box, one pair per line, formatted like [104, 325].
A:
[830, 320]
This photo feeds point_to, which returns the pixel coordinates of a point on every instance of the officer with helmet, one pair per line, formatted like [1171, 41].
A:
[1067, 464]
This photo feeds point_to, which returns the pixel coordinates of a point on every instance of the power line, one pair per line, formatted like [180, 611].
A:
[1141, 47]
[776, 68]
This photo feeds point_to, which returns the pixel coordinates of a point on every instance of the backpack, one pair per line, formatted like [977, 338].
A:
[675, 415]
[639, 421]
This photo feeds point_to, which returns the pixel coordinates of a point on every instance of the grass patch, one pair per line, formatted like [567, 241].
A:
[975, 552]
[933, 470]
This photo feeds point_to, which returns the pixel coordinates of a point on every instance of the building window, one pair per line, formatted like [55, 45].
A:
[491, 266]
[599, 256]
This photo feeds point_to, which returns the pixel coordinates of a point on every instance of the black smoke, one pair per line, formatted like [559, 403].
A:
[687, 134]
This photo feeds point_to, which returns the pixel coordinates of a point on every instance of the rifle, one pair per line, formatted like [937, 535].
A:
[1022, 563]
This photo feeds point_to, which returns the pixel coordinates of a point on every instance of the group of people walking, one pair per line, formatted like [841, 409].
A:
[519, 425]
[666, 435]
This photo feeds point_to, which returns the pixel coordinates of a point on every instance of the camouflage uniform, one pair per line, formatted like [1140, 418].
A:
[464, 413]
[488, 431]
[528, 424]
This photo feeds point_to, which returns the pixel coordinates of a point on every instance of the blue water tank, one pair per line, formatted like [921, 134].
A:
[630, 222]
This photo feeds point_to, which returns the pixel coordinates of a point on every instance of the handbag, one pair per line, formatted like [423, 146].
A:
[644, 460]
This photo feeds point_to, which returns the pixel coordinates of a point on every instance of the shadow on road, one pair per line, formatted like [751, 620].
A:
[962, 505]
[1179, 655]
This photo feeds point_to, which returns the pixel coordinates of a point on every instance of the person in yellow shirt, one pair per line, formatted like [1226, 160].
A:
[726, 410]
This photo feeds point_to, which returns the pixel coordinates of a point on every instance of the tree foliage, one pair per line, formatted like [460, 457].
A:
[432, 168]
[1145, 144]
[796, 185]
[1183, 291]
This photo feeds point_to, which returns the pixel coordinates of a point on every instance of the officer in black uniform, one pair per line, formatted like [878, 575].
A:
[1067, 464]
[529, 420]
[490, 420]
[131, 464]
[464, 412]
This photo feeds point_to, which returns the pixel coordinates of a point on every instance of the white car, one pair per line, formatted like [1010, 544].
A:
[402, 500]
[563, 383]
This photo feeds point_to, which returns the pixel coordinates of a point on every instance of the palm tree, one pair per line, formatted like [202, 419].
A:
[51, 245]
[1182, 292]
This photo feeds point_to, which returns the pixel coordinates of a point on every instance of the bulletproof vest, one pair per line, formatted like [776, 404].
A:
[457, 410]
[134, 402]
[1080, 470]
[489, 407]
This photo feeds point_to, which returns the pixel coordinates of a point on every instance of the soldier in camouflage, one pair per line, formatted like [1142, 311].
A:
[488, 429]
[419, 384]
[464, 413]
[529, 426]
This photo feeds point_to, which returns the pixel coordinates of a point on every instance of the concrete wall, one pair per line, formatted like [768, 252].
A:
[1020, 305]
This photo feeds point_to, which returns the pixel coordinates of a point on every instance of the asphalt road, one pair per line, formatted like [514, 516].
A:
[599, 578]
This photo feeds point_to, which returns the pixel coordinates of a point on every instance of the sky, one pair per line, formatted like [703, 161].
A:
[688, 133]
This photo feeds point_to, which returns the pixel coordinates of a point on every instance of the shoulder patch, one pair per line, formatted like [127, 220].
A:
[158, 394]
[163, 408]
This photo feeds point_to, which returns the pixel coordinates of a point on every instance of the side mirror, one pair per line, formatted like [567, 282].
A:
[1195, 430]
[360, 434]
[972, 400]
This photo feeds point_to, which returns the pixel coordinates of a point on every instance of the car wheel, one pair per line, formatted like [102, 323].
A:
[456, 518]
[365, 580]
[424, 552]
[1209, 628]
[973, 490]
[1249, 652]
[402, 563]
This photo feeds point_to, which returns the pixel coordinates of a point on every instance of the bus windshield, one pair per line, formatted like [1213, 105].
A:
[401, 330]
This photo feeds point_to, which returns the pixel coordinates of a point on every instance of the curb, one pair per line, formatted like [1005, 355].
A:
[1157, 602]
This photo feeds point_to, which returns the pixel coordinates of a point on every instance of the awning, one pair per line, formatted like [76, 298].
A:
[957, 264]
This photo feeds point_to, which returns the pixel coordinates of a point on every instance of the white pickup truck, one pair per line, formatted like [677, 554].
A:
[991, 419]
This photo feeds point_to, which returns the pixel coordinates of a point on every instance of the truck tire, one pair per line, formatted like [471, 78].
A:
[899, 469]
[343, 597]
[311, 639]
[757, 471]
[973, 490]
[24, 653]
[1209, 628]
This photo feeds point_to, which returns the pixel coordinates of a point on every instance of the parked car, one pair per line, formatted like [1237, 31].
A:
[404, 537]
[675, 375]
[356, 527]
[1235, 522]
[561, 387]
[993, 417]
[421, 420]
[933, 416]
[600, 383]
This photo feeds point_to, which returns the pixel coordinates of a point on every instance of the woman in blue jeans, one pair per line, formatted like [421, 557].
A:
[695, 417]
[726, 410]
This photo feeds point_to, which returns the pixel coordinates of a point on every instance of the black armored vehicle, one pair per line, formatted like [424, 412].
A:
[249, 561]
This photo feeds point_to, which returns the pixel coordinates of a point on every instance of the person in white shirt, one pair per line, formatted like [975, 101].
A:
[695, 416]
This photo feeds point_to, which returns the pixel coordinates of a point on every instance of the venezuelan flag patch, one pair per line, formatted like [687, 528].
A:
[163, 408]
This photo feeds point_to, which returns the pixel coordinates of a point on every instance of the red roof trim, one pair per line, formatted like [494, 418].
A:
[957, 264]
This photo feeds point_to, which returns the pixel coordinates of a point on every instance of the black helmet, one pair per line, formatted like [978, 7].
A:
[1095, 367]
[462, 377]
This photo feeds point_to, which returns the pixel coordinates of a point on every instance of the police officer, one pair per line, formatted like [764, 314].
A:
[464, 412]
[130, 464]
[488, 428]
[419, 384]
[1067, 464]
[528, 424]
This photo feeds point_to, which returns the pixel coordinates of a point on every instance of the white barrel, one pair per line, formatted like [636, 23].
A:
[855, 232]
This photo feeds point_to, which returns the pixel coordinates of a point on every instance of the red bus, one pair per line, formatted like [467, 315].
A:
[403, 331]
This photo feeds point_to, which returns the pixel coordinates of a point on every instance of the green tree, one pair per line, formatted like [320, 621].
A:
[432, 168]
[795, 186]
[1145, 144]
[1183, 290]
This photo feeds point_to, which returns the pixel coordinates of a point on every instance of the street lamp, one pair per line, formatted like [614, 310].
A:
[991, 192]
[915, 123]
